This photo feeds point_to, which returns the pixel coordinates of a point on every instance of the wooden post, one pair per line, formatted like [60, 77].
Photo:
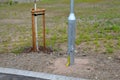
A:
[44, 44]
[36, 13]
[33, 32]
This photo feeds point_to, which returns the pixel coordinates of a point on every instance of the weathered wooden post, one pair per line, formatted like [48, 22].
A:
[33, 32]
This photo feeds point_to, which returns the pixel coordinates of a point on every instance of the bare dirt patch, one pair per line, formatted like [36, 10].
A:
[41, 49]
[80, 67]
[87, 65]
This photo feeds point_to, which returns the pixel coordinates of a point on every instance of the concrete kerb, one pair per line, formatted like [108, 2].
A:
[36, 74]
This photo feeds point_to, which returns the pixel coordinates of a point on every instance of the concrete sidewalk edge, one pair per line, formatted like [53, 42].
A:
[36, 74]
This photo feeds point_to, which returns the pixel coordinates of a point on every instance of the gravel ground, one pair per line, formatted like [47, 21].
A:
[87, 65]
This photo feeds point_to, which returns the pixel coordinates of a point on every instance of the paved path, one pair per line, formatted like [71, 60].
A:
[16, 77]
[15, 74]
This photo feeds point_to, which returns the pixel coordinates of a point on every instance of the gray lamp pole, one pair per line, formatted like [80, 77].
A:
[71, 34]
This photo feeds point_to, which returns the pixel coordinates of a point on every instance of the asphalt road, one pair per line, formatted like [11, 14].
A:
[16, 77]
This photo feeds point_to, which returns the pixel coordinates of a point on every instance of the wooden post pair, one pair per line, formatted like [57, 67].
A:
[36, 13]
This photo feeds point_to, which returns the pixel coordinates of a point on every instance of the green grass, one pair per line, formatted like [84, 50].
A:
[97, 24]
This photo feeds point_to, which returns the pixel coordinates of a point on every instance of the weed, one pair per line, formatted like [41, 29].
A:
[109, 50]
[114, 28]
[96, 43]
[10, 2]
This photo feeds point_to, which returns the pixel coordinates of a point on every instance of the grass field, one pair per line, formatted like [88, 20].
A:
[98, 25]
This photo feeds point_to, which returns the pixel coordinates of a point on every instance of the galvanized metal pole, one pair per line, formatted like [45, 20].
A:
[35, 8]
[71, 34]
